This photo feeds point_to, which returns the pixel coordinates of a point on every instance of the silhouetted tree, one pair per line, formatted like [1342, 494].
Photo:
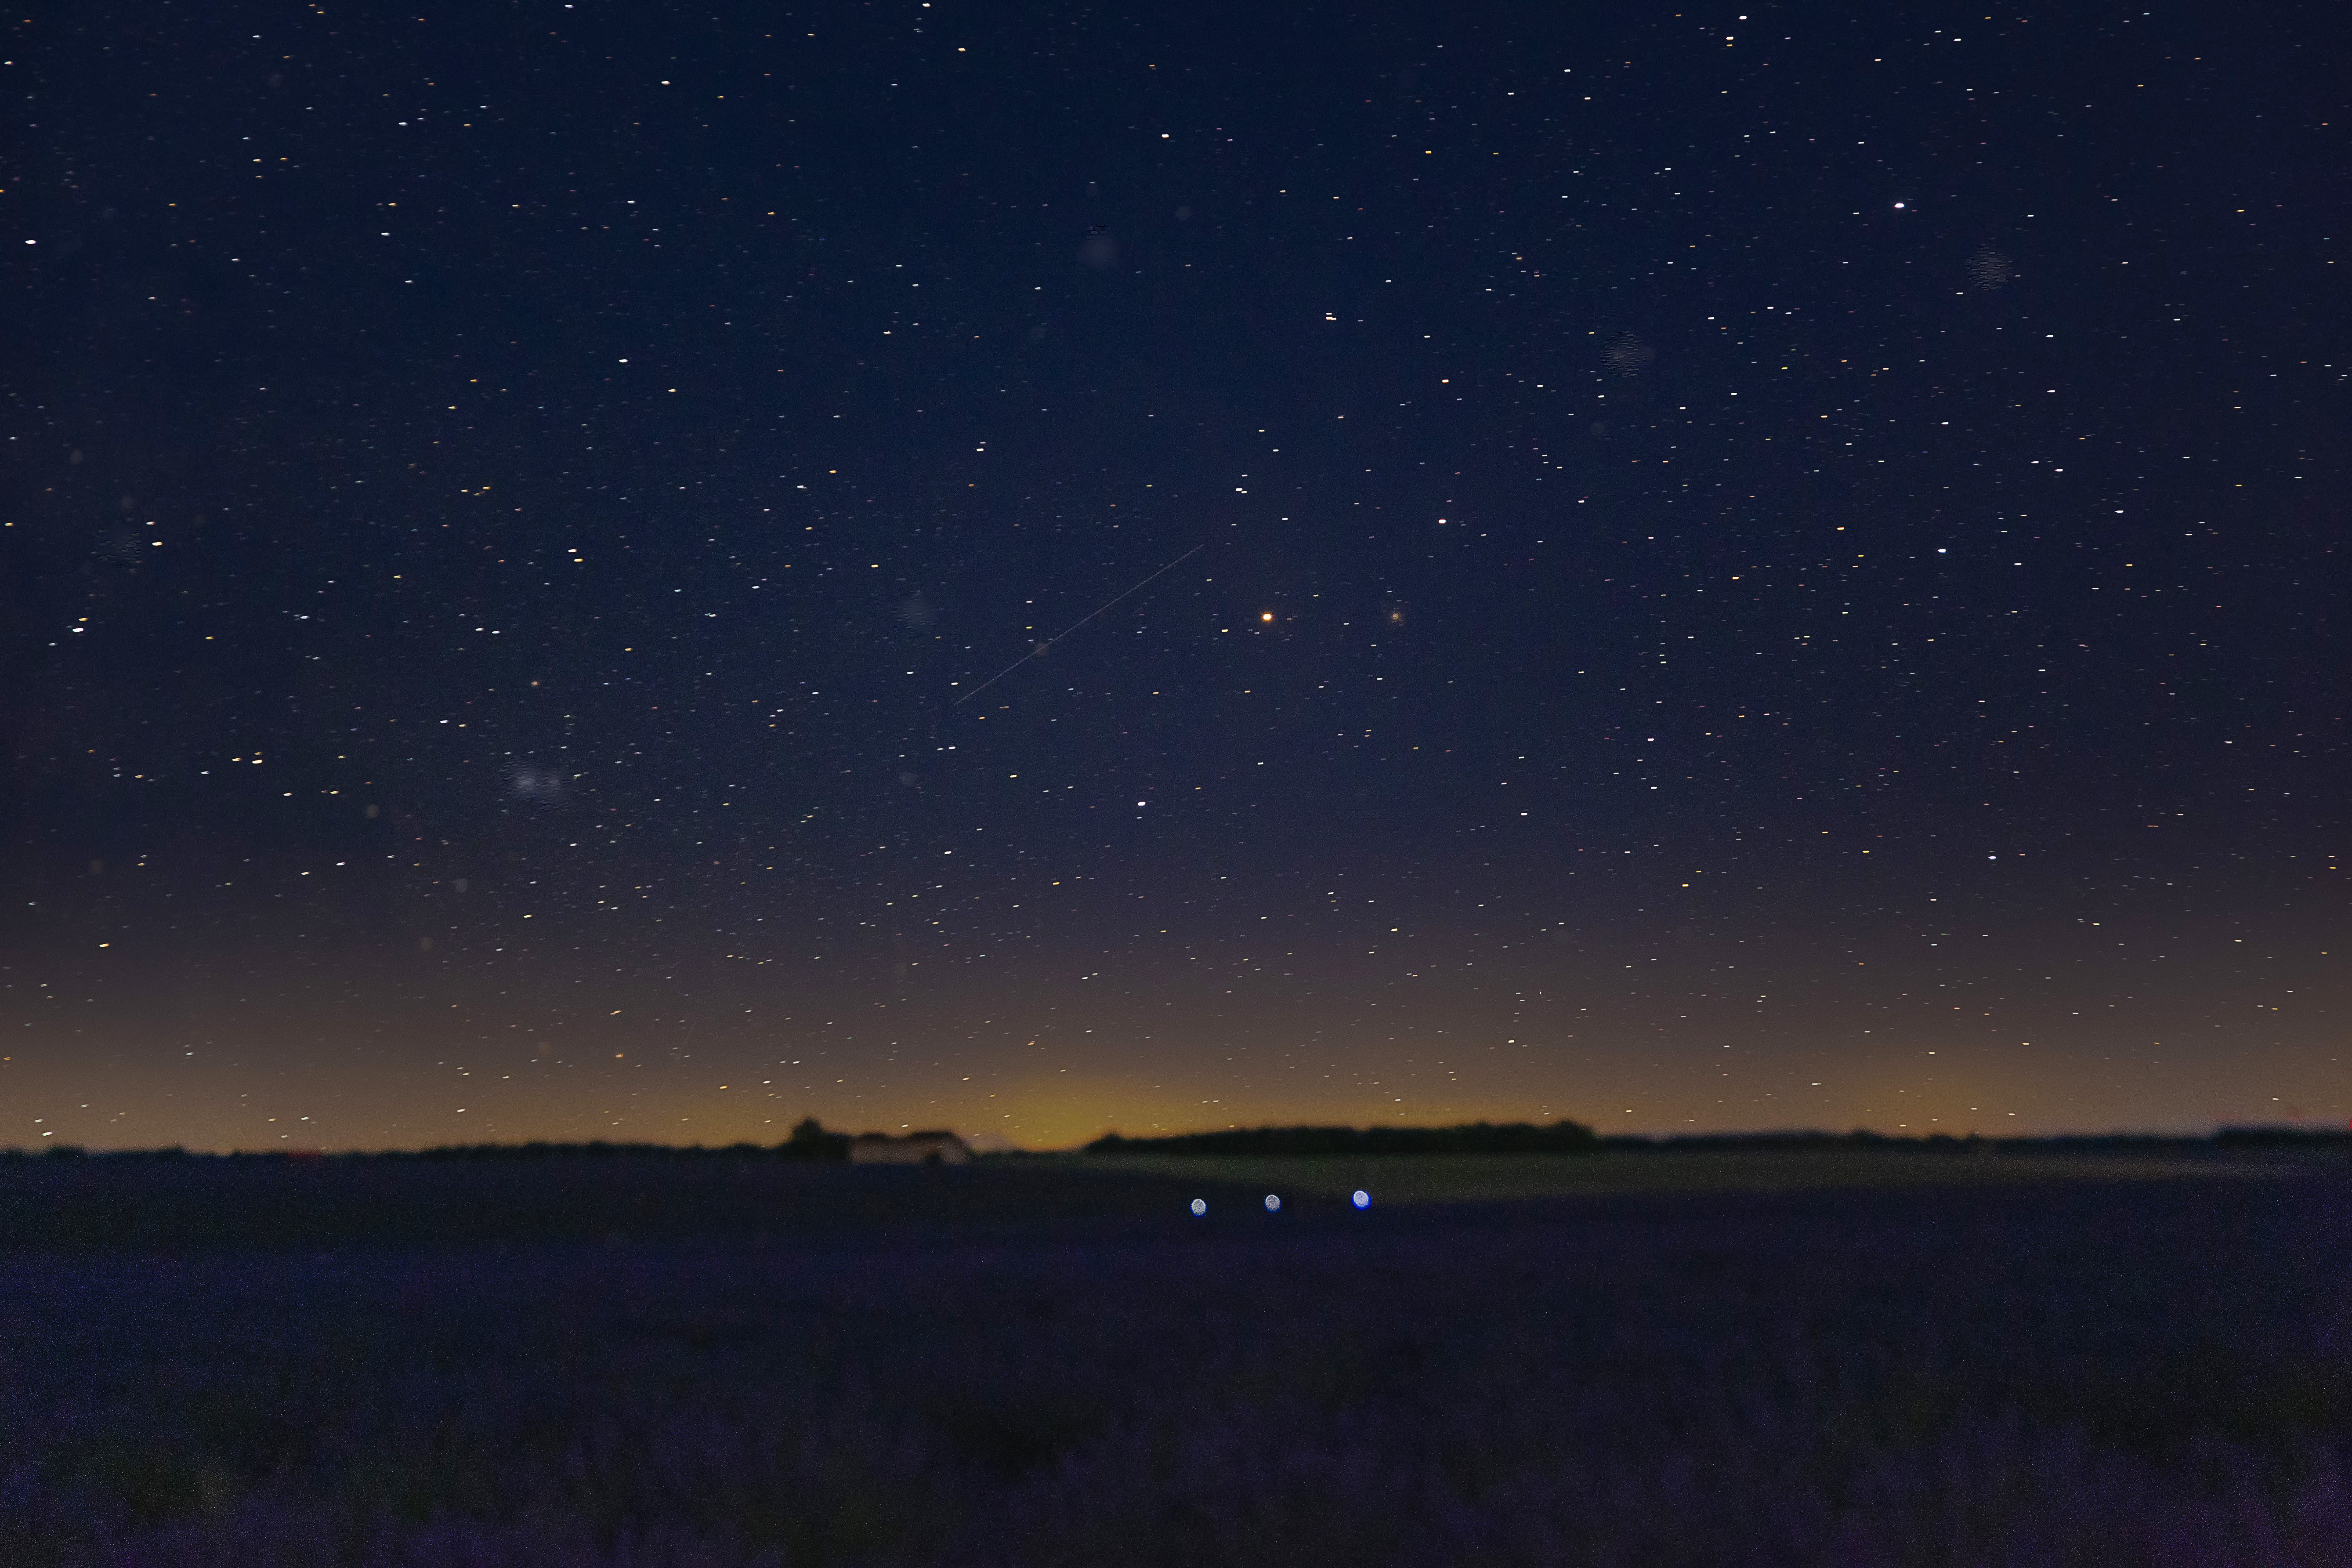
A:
[810, 1141]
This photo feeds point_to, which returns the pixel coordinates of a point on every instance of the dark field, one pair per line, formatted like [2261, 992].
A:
[707, 1361]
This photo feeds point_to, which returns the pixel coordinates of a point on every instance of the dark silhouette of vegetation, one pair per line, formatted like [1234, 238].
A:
[2282, 1138]
[1572, 1138]
[810, 1141]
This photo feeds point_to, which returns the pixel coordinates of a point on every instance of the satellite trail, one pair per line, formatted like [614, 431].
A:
[1073, 626]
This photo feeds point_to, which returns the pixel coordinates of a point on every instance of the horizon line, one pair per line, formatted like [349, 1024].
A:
[2216, 1132]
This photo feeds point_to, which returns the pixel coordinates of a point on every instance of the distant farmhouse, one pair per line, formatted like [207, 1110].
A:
[914, 1149]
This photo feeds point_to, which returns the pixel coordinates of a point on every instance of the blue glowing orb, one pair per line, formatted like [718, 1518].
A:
[1363, 1199]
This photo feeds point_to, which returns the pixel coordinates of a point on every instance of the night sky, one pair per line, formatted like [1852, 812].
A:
[579, 570]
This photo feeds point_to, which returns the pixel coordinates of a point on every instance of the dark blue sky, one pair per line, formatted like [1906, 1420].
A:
[1734, 569]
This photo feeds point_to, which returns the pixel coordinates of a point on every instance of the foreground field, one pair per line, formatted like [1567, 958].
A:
[1459, 1178]
[743, 1367]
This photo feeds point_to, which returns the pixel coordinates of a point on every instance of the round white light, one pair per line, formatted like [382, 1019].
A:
[1200, 1205]
[1273, 1203]
[1363, 1199]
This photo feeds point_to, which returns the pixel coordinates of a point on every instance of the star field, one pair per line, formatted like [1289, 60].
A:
[572, 573]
